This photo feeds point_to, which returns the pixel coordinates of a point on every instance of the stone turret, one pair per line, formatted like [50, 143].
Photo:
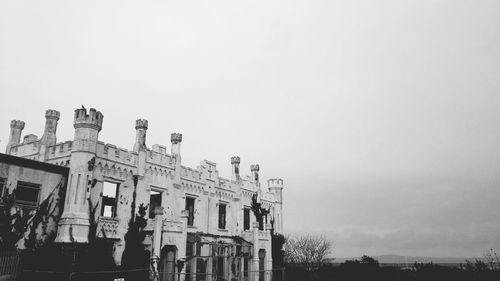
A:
[276, 187]
[74, 223]
[235, 162]
[16, 128]
[255, 172]
[141, 127]
[49, 134]
[176, 139]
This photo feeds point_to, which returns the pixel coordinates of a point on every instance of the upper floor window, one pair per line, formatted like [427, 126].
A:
[109, 195]
[190, 209]
[154, 201]
[27, 194]
[222, 216]
[246, 219]
[2, 185]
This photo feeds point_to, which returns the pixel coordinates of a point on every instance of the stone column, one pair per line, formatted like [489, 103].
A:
[157, 233]
[255, 258]
[209, 263]
[176, 140]
[268, 260]
[182, 249]
[49, 134]
[235, 163]
[141, 127]
[255, 173]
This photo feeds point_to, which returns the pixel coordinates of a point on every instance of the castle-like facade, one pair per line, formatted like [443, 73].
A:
[195, 215]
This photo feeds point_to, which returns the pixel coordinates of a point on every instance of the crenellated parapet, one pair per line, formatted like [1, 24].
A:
[61, 149]
[254, 168]
[17, 124]
[141, 124]
[235, 160]
[275, 183]
[30, 138]
[175, 138]
[91, 120]
[52, 114]
[116, 154]
[160, 159]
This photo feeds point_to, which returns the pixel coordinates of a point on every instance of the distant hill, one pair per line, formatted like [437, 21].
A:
[396, 259]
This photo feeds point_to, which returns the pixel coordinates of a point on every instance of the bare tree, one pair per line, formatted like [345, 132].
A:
[492, 260]
[308, 250]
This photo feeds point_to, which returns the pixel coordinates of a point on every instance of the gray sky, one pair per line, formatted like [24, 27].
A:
[381, 116]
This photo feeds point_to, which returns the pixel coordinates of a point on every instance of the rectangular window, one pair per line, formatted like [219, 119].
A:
[27, 194]
[2, 186]
[246, 219]
[222, 216]
[154, 201]
[190, 209]
[109, 195]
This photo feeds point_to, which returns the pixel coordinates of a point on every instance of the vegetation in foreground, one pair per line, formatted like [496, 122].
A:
[306, 259]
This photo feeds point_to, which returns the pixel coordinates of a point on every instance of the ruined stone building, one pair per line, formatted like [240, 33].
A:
[195, 215]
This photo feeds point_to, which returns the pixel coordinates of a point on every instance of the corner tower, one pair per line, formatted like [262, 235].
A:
[74, 223]
[276, 187]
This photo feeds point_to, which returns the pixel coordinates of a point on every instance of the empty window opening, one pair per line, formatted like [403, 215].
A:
[27, 194]
[154, 201]
[246, 219]
[190, 209]
[109, 194]
[2, 185]
[222, 216]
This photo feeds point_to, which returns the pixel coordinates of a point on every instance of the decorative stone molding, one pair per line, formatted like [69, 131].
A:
[107, 228]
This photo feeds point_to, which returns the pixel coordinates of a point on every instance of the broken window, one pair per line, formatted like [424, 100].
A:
[154, 201]
[27, 194]
[190, 209]
[109, 195]
[222, 216]
[246, 219]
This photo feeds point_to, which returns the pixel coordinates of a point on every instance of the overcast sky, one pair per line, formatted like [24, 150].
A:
[382, 117]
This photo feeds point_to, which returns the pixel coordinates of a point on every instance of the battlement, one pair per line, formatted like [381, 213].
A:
[254, 168]
[91, 120]
[235, 160]
[141, 124]
[61, 149]
[161, 149]
[52, 114]
[275, 183]
[160, 158]
[190, 173]
[176, 138]
[113, 153]
[30, 138]
[17, 124]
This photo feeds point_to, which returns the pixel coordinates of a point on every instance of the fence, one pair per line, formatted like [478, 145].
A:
[146, 275]
[8, 264]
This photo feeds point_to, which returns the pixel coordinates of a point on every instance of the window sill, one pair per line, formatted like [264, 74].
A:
[223, 230]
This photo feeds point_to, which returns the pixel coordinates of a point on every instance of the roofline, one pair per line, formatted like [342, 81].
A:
[33, 164]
